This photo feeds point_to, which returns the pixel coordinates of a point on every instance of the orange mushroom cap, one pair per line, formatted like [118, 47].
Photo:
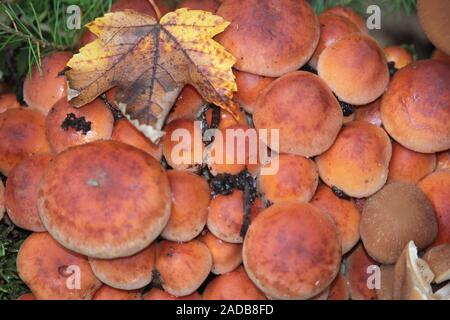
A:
[433, 17]
[188, 105]
[369, 112]
[104, 199]
[250, 87]
[158, 294]
[443, 160]
[399, 55]
[349, 14]
[109, 293]
[205, 5]
[339, 288]
[8, 101]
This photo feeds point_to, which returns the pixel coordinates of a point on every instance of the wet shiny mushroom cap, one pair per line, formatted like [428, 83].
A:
[188, 105]
[46, 267]
[182, 266]
[22, 189]
[22, 133]
[369, 112]
[292, 251]
[443, 160]
[409, 166]
[66, 126]
[284, 33]
[190, 200]
[104, 199]
[125, 132]
[303, 109]
[355, 68]
[250, 87]
[234, 285]
[109, 293]
[128, 273]
[398, 55]
[296, 179]
[44, 88]
[397, 214]
[415, 109]
[358, 161]
[437, 188]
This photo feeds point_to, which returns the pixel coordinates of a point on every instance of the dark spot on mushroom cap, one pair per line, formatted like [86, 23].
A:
[79, 124]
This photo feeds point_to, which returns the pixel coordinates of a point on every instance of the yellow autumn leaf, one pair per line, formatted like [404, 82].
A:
[150, 63]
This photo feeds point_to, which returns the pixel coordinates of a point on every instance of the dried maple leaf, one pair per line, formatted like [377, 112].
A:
[150, 62]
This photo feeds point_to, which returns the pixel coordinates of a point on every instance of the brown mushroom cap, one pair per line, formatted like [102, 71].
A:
[158, 294]
[397, 214]
[8, 101]
[437, 188]
[26, 296]
[125, 132]
[338, 288]
[296, 179]
[399, 55]
[22, 133]
[441, 56]
[443, 160]
[108, 293]
[349, 14]
[127, 273]
[409, 166]
[61, 136]
[205, 5]
[22, 189]
[356, 265]
[104, 199]
[358, 161]
[438, 258]
[183, 152]
[46, 267]
[344, 212]
[433, 17]
[304, 110]
[332, 28]
[226, 256]
[292, 251]
[182, 266]
[2, 201]
[44, 88]
[355, 68]
[283, 33]
[422, 123]
[188, 105]
[387, 277]
[226, 216]
[190, 201]
[226, 119]
[369, 112]
[250, 87]
[235, 285]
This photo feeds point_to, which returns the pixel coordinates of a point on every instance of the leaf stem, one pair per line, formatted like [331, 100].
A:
[155, 7]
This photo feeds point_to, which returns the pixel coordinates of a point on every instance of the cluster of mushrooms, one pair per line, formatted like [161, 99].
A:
[363, 181]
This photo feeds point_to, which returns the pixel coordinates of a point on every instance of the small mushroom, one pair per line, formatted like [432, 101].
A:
[433, 17]
[284, 33]
[226, 119]
[398, 55]
[355, 68]
[158, 294]
[303, 109]
[419, 88]
[409, 166]
[226, 256]
[22, 188]
[187, 106]
[8, 101]
[104, 199]
[345, 215]
[182, 266]
[109, 293]
[292, 251]
[437, 188]
[52, 272]
[296, 179]
[67, 126]
[234, 285]
[46, 86]
[189, 208]
[205, 5]
[412, 275]
[22, 133]
[438, 259]
[128, 273]
[387, 276]
[125, 132]
[369, 112]
[250, 87]
[357, 163]
[397, 214]
[443, 160]
[182, 145]
[356, 266]
[338, 288]
[441, 56]
[349, 14]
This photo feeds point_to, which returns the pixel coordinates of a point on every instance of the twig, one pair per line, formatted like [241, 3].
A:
[42, 43]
